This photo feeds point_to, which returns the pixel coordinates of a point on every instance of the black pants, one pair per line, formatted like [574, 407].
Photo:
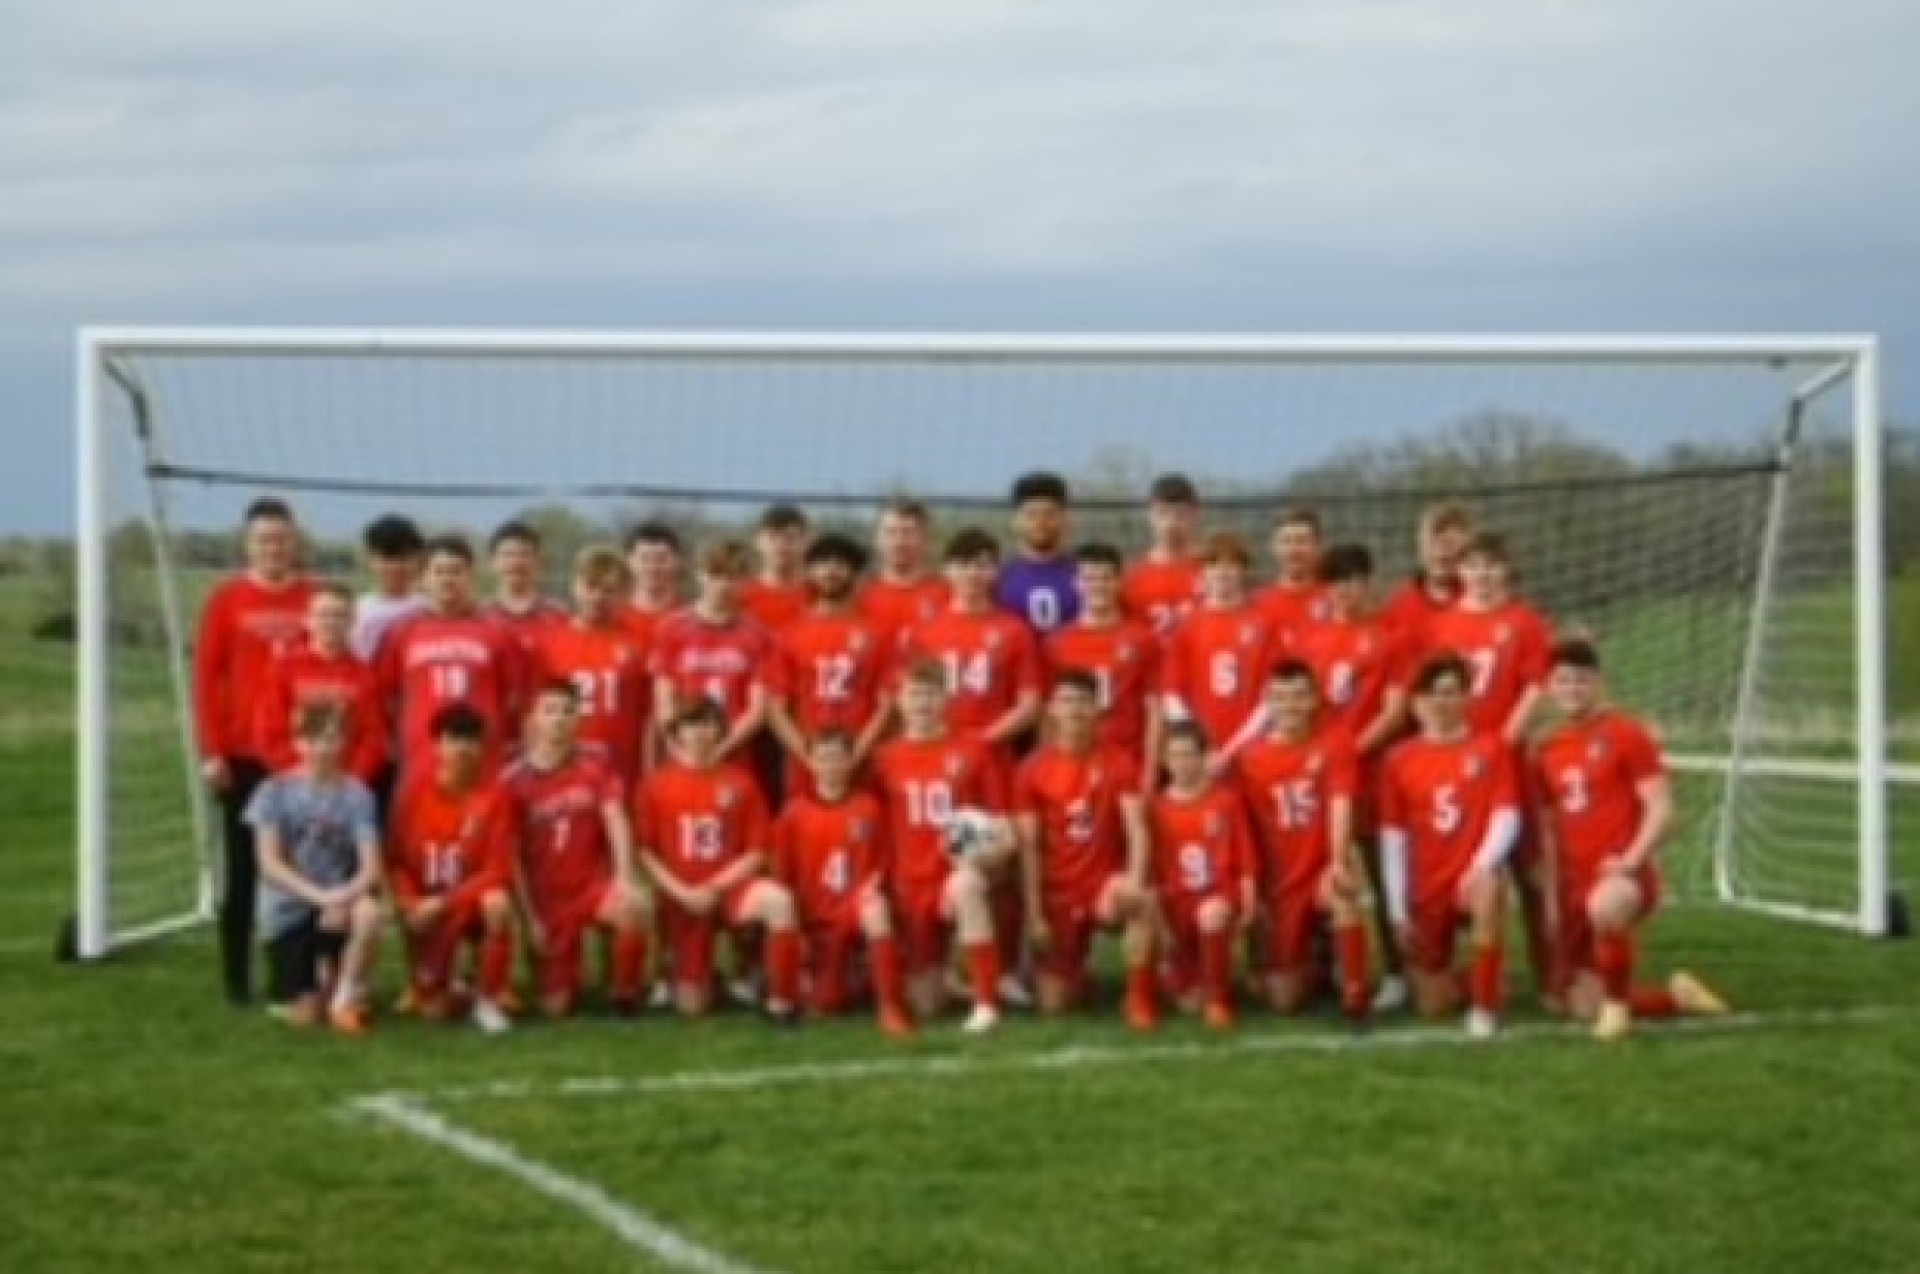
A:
[241, 879]
[294, 959]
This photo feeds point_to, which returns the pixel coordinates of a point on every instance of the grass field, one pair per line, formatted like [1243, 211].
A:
[150, 1126]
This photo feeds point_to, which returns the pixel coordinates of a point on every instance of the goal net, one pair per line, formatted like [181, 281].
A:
[1709, 508]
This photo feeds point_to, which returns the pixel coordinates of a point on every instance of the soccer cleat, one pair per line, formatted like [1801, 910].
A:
[1391, 995]
[1013, 992]
[785, 1017]
[895, 1024]
[1482, 1024]
[661, 997]
[982, 1020]
[1695, 996]
[1141, 1014]
[1220, 1017]
[509, 1001]
[1614, 1023]
[350, 1020]
[490, 1018]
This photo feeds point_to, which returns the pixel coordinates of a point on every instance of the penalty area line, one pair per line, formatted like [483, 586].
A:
[629, 1224]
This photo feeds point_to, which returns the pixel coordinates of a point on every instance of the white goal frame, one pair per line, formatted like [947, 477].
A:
[1853, 358]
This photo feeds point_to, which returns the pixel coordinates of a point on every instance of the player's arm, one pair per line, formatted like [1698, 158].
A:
[271, 850]
[212, 653]
[1027, 833]
[1547, 827]
[1027, 680]
[1642, 763]
[666, 702]
[786, 729]
[1016, 720]
[1133, 825]
[366, 839]
[755, 836]
[1243, 865]
[1387, 723]
[749, 723]
[874, 730]
[1503, 824]
[620, 837]
[1393, 848]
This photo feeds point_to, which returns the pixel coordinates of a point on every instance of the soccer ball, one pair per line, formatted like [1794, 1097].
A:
[969, 832]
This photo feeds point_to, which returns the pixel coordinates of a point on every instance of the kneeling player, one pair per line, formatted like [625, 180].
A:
[829, 850]
[1299, 779]
[451, 871]
[948, 842]
[1449, 813]
[1607, 805]
[703, 832]
[1083, 840]
[1203, 871]
[566, 817]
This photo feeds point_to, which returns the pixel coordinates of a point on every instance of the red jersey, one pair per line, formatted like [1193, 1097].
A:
[1124, 661]
[774, 606]
[1508, 650]
[305, 676]
[921, 783]
[1217, 663]
[644, 623]
[720, 661]
[892, 608]
[1355, 663]
[1201, 846]
[1076, 801]
[828, 854]
[556, 817]
[1591, 772]
[830, 671]
[991, 660]
[699, 822]
[1443, 795]
[1409, 607]
[607, 668]
[1160, 594]
[244, 628]
[441, 842]
[429, 660]
[528, 624]
[1293, 610]
[1290, 789]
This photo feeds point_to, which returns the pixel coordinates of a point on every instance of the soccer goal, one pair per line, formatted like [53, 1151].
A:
[1709, 507]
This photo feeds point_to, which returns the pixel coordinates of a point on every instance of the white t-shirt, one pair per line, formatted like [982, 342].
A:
[374, 614]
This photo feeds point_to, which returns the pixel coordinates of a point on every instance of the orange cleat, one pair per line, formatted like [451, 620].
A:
[1142, 1016]
[349, 1021]
[1220, 1017]
[895, 1024]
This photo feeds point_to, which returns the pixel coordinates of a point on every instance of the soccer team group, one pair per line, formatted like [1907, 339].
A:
[917, 786]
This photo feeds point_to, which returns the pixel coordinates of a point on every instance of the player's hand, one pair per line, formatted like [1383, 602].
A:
[699, 900]
[1469, 886]
[1038, 935]
[214, 773]
[333, 916]
[536, 936]
[425, 914]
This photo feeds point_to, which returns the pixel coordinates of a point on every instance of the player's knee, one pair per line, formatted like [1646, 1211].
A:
[1286, 991]
[774, 905]
[496, 912]
[875, 922]
[364, 917]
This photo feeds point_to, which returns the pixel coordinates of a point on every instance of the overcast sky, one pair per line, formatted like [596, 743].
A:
[1286, 165]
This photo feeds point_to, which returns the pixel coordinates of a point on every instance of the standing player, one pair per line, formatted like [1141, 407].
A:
[250, 620]
[450, 866]
[1216, 659]
[603, 660]
[451, 653]
[1444, 532]
[319, 867]
[654, 557]
[1163, 586]
[1606, 806]
[1203, 872]
[1121, 657]
[777, 595]
[1300, 781]
[828, 671]
[704, 840]
[1037, 585]
[324, 669]
[1449, 813]
[1084, 850]
[829, 850]
[518, 604]
[937, 789]
[575, 868]
[904, 590]
[711, 651]
[394, 548]
[1294, 602]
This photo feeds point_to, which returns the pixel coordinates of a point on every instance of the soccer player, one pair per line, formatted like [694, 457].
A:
[394, 550]
[1163, 586]
[1081, 818]
[777, 595]
[654, 557]
[904, 591]
[251, 619]
[1443, 535]
[319, 866]
[1216, 658]
[711, 651]
[1300, 780]
[450, 866]
[830, 851]
[704, 840]
[1449, 813]
[448, 653]
[1606, 807]
[1037, 583]
[929, 781]
[324, 669]
[829, 667]
[606, 664]
[575, 867]
[1203, 873]
[1295, 601]
[1120, 656]
[518, 605]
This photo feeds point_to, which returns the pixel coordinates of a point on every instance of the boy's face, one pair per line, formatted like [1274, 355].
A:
[1074, 712]
[1442, 708]
[699, 739]
[1099, 586]
[1040, 525]
[1575, 691]
[831, 579]
[833, 765]
[720, 591]
[1440, 555]
[1483, 578]
[972, 578]
[516, 565]
[923, 705]
[556, 720]
[1296, 550]
[1224, 582]
[598, 597]
[782, 548]
[459, 757]
[329, 620]
[1172, 523]
[394, 576]
[1350, 595]
[656, 567]
[270, 544]
[902, 542]
[322, 749]
[1186, 762]
[449, 581]
[1291, 701]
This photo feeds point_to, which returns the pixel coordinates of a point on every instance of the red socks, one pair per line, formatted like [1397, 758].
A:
[629, 963]
[983, 969]
[783, 968]
[888, 982]
[1216, 967]
[1351, 942]
[496, 965]
[1486, 979]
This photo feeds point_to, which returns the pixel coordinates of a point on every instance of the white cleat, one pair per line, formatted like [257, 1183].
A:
[491, 1018]
[1391, 995]
[1615, 1022]
[1482, 1024]
[981, 1021]
[661, 997]
[1014, 993]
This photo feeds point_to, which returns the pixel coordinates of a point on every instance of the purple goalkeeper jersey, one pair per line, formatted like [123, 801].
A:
[1042, 591]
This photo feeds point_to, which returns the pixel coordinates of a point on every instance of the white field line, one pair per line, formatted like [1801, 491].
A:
[632, 1226]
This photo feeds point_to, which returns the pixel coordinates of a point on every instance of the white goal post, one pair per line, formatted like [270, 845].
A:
[172, 423]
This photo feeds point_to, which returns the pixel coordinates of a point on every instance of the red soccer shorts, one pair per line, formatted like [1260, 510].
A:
[1573, 947]
[689, 938]
[566, 922]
